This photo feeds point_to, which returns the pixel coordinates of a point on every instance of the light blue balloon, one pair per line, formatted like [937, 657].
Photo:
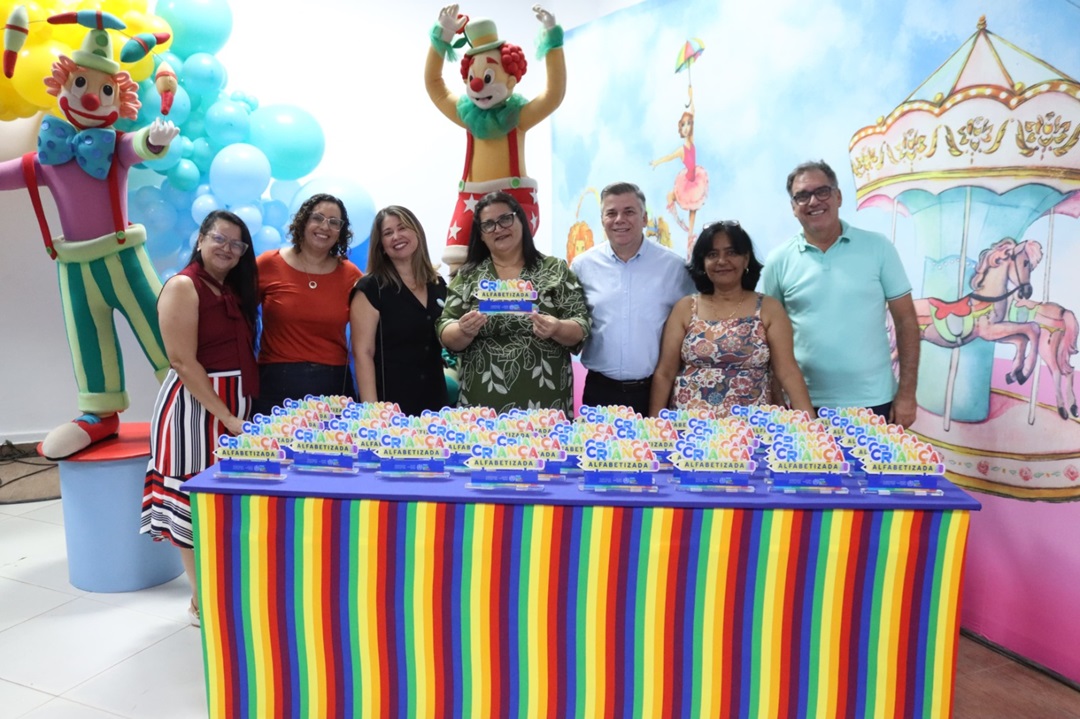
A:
[274, 212]
[239, 174]
[266, 239]
[197, 25]
[167, 264]
[202, 206]
[251, 215]
[284, 191]
[146, 196]
[159, 220]
[202, 74]
[202, 189]
[227, 122]
[291, 138]
[202, 154]
[178, 198]
[195, 127]
[185, 177]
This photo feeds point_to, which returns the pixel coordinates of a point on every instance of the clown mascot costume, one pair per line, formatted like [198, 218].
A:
[102, 262]
[495, 119]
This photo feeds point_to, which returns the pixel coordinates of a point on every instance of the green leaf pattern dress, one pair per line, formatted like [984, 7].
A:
[507, 365]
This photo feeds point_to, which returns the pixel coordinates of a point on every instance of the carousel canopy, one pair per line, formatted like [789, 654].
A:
[992, 116]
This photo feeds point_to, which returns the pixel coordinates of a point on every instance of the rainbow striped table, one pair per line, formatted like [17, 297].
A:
[328, 596]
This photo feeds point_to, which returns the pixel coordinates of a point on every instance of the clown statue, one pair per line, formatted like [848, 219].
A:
[495, 119]
[101, 260]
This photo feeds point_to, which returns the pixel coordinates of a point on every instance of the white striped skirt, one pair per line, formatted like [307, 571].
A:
[183, 436]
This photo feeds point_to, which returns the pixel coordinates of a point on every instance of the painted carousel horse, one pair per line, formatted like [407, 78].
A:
[1057, 338]
[1003, 270]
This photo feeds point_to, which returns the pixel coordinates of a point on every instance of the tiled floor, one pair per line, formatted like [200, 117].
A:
[69, 654]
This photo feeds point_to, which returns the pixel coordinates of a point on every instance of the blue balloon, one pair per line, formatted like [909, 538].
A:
[185, 177]
[146, 196]
[284, 190]
[267, 238]
[358, 253]
[202, 74]
[291, 138]
[195, 127]
[274, 212]
[251, 215]
[227, 122]
[202, 206]
[175, 196]
[197, 25]
[239, 174]
[202, 154]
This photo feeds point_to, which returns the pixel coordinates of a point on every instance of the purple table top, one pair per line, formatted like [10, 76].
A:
[367, 485]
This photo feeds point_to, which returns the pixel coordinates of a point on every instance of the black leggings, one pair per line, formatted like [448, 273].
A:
[293, 380]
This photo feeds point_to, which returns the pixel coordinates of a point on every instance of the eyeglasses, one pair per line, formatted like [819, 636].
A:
[822, 193]
[722, 223]
[318, 219]
[503, 221]
[237, 246]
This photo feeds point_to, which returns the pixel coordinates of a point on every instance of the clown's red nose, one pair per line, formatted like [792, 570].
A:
[477, 84]
[90, 101]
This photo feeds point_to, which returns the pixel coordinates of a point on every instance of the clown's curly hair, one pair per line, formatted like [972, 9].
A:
[128, 88]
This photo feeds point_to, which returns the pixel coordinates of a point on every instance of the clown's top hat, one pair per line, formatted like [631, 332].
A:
[482, 36]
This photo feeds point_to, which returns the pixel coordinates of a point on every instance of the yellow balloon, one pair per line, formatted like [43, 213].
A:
[119, 7]
[32, 67]
[12, 105]
[140, 70]
[135, 21]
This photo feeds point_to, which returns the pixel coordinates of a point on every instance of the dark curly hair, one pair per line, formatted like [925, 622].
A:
[303, 215]
[740, 243]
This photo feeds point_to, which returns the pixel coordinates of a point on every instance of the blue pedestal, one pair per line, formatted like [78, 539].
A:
[102, 502]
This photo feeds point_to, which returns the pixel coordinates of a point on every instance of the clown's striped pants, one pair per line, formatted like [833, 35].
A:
[97, 277]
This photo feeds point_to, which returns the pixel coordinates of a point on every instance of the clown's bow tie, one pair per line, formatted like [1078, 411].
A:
[60, 142]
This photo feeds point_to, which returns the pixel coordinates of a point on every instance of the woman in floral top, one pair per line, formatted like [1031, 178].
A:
[725, 343]
[513, 360]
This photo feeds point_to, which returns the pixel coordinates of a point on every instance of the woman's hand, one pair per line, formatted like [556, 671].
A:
[544, 326]
[471, 323]
[234, 424]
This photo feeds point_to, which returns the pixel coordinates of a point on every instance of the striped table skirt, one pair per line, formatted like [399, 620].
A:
[366, 608]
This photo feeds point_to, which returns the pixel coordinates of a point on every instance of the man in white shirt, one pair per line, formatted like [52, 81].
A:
[630, 286]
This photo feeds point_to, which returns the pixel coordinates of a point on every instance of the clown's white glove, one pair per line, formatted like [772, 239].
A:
[450, 22]
[544, 17]
[162, 132]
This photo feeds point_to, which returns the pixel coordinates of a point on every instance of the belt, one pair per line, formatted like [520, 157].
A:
[606, 381]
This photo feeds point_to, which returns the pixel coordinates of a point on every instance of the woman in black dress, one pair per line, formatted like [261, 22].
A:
[392, 317]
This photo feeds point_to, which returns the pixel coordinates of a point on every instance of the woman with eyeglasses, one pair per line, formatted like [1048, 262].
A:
[207, 318]
[304, 292]
[393, 312]
[513, 359]
[721, 346]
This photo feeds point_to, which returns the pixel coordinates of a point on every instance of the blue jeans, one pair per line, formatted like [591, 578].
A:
[293, 380]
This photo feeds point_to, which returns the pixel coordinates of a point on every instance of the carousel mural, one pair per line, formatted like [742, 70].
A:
[973, 158]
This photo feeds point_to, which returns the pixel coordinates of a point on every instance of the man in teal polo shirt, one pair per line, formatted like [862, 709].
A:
[836, 281]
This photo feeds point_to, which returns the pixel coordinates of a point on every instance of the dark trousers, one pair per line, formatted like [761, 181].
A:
[292, 380]
[601, 390]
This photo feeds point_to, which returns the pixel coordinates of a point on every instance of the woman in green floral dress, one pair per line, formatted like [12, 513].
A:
[514, 360]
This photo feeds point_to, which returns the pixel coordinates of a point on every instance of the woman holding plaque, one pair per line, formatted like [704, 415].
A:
[511, 356]
[207, 318]
[722, 346]
[393, 312]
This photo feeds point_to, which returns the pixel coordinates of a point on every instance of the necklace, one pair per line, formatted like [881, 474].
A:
[735, 309]
[312, 284]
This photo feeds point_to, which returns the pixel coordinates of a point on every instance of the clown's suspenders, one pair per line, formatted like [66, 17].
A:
[29, 161]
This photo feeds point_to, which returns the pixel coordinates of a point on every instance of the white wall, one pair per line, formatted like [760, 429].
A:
[358, 68]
